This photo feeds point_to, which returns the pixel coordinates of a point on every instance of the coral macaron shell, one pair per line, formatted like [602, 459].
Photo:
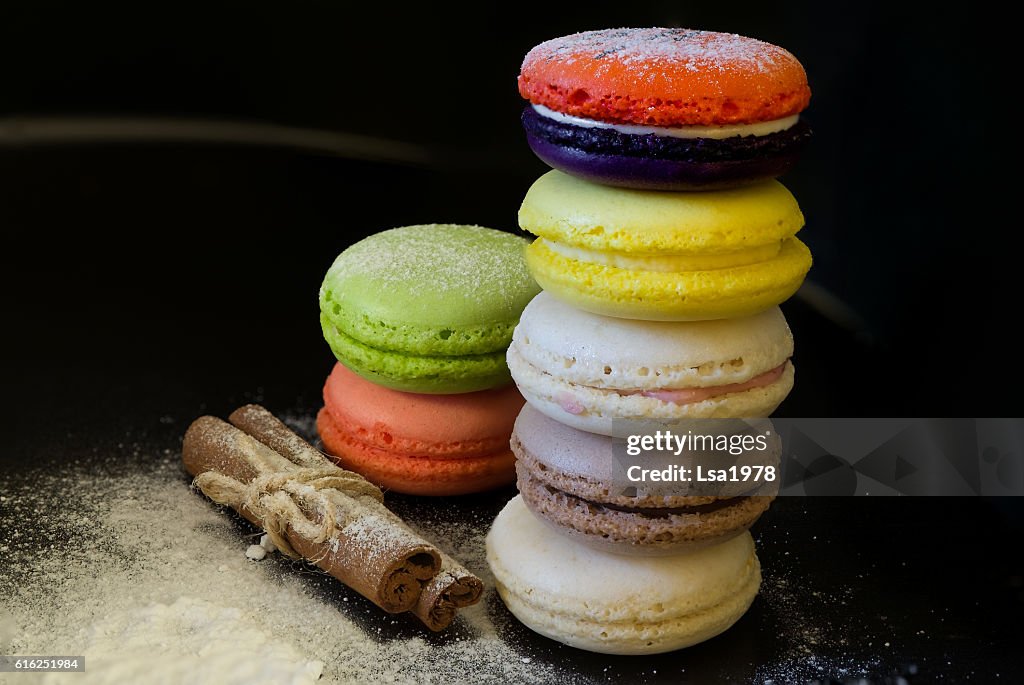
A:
[420, 444]
[665, 77]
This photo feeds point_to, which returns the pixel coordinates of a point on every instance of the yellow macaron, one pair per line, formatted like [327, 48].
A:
[660, 256]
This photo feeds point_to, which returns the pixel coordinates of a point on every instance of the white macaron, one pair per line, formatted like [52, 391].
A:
[606, 375]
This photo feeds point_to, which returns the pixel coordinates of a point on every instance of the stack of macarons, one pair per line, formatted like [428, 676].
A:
[664, 247]
[420, 317]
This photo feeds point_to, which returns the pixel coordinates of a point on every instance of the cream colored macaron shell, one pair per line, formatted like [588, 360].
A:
[588, 371]
[617, 604]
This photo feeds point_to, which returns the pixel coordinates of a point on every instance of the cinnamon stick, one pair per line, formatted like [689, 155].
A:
[451, 589]
[386, 563]
[258, 422]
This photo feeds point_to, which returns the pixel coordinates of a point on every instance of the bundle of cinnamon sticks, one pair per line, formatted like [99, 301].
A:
[316, 510]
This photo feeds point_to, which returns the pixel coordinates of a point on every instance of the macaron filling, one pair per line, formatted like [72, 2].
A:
[677, 395]
[659, 512]
[760, 128]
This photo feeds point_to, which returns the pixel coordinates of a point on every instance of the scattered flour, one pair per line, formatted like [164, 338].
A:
[8, 631]
[267, 544]
[256, 553]
[106, 563]
[806, 636]
[189, 641]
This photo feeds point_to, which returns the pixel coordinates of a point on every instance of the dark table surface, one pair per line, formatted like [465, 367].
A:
[855, 590]
[149, 285]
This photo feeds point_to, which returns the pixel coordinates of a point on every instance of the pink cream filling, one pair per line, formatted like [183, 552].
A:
[682, 395]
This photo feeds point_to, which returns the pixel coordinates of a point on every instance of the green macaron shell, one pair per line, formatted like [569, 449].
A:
[417, 373]
[404, 337]
[430, 295]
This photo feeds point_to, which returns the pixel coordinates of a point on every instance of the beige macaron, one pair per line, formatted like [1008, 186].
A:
[617, 604]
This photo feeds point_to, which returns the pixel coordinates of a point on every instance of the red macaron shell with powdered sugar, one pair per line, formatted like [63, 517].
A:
[665, 77]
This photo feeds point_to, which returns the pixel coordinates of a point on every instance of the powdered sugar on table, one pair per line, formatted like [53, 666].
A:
[95, 557]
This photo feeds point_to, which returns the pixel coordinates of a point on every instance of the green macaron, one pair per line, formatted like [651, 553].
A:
[427, 308]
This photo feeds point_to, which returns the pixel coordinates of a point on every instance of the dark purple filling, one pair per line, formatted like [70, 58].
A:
[662, 162]
[665, 512]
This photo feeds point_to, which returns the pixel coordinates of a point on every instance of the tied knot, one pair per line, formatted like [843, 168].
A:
[300, 499]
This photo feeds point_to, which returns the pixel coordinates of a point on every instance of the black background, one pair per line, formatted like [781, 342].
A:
[152, 281]
[207, 258]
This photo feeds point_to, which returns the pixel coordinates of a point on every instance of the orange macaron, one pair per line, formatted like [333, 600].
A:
[419, 444]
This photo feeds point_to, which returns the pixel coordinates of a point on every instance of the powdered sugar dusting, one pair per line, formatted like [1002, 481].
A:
[207, 642]
[808, 639]
[382, 538]
[652, 50]
[439, 265]
[102, 544]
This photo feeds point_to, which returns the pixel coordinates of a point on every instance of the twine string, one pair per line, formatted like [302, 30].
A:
[295, 499]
